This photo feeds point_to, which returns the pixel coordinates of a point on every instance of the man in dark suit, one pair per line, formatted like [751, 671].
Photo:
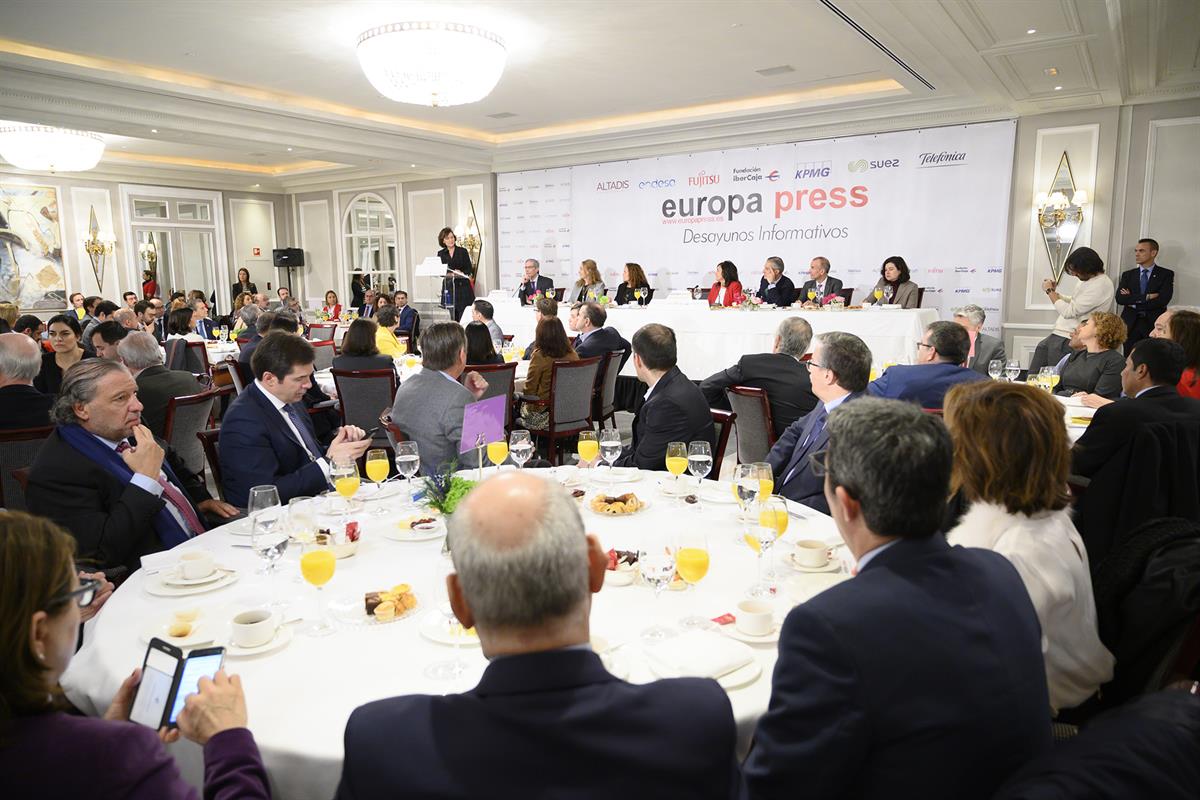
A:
[984, 348]
[534, 283]
[1148, 382]
[775, 288]
[31, 326]
[1143, 292]
[921, 677]
[261, 325]
[200, 321]
[838, 373]
[119, 501]
[941, 354]
[367, 309]
[21, 405]
[546, 719]
[780, 373]
[674, 411]
[819, 282]
[406, 314]
[102, 312]
[157, 385]
[587, 319]
[266, 435]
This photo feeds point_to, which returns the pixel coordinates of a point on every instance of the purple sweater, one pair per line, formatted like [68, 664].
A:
[60, 755]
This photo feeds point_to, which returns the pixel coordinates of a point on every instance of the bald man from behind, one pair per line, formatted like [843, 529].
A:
[546, 719]
[21, 405]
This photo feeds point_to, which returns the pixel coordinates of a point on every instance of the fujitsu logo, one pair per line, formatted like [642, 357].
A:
[703, 179]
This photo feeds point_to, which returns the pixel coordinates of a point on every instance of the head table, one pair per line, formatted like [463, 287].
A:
[709, 340]
[300, 696]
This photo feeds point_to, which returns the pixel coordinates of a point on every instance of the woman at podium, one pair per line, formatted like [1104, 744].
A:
[457, 292]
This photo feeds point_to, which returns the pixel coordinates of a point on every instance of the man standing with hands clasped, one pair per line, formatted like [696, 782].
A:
[1144, 292]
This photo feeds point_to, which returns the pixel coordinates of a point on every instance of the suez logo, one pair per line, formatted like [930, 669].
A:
[862, 165]
[611, 186]
[731, 205]
[657, 183]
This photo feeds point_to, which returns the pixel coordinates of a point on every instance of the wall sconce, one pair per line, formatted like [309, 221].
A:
[472, 237]
[1060, 215]
[98, 248]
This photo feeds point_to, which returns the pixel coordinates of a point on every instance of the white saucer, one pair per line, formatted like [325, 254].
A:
[155, 586]
[281, 639]
[395, 533]
[712, 494]
[201, 634]
[369, 491]
[436, 628]
[615, 475]
[172, 577]
[732, 632]
[834, 565]
[687, 485]
[742, 676]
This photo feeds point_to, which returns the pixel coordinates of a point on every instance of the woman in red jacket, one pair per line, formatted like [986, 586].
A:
[727, 291]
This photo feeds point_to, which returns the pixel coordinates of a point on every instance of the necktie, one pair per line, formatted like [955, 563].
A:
[818, 426]
[1145, 279]
[306, 437]
[175, 497]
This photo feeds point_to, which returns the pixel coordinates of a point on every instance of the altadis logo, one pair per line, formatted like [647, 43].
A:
[773, 175]
[612, 186]
[862, 165]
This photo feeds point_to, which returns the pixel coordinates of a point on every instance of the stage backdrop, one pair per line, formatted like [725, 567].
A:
[939, 197]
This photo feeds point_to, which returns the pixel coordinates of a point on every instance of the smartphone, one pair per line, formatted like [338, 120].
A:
[371, 433]
[159, 671]
[200, 663]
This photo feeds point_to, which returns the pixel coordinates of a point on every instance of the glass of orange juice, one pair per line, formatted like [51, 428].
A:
[691, 562]
[497, 452]
[588, 447]
[344, 474]
[773, 514]
[766, 480]
[378, 466]
[317, 567]
[677, 462]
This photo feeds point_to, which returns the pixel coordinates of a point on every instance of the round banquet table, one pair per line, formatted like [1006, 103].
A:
[324, 377]
[300, 696]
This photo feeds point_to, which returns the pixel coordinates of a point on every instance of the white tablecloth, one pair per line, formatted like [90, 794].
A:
[219, 351]
[709, 340]
[1074, 408]
[300, 697]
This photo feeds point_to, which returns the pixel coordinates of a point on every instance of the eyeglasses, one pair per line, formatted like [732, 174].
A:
[819, 461]
[922, 344]
[810, 364]
[84, 595]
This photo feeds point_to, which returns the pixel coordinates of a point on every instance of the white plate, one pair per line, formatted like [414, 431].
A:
[350, 611]
[369, 491]
[156, 587]
[394, 532]
[173, 578]
[436, 628]
[721, 493]
[239, 527]
[742, 676]
[201, 634]
[834, 565]
[616, 475]
[732, 632]
[281, 639]
[686, 486]
[587, 504]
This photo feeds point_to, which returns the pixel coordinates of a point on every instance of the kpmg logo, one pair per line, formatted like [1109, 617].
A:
[612, 186]
[995, 270]
[962, 291]
[703, 179]
[941, 159]
[773, 175]
[742, 174]
[657, 183]
[813, 169]
[862, 165]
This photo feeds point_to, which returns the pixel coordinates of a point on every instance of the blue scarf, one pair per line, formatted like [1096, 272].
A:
[169, 531]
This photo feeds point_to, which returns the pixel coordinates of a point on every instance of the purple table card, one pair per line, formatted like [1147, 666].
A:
[486, 417]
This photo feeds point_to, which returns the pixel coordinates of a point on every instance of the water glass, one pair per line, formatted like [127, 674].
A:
[610, 447]
[520, 447]
[452, 668]
[995, 368]
[408, 462]
[1011, 370]
[656, 563]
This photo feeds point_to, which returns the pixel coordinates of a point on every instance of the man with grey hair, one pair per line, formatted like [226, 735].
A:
[775, 288]
[940, 356]
[779, 373]
[923, 676]
[127, 318]
[822, 286]
[261, 325]
[248, 314]
[546, 712]
[534, 284]
[21, 405]
[429, 406]
[262, 301]
[984, 348]
[838, 371]
[119, 499]
[156, 385]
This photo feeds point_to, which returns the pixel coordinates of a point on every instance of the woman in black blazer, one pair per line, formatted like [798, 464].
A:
[359, 350]
[457, 293]
[243, 284]
[634, 278]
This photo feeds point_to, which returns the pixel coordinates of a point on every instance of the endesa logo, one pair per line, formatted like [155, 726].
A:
[612, 186]
[773, 175]
[657, 183]
[862, 165]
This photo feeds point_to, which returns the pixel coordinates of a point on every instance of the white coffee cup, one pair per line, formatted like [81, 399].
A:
[754, 617]
[253, 627]
[196, 564]
[811, 553]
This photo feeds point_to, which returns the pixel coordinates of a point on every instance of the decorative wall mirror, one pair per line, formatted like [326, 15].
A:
[1060, 215]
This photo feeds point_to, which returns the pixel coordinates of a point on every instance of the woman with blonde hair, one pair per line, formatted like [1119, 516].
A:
[590, 285]
[1096, 369]
[1011, 461]
[633, 278]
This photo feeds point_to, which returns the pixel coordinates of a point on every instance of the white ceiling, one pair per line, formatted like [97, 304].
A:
[230, 86]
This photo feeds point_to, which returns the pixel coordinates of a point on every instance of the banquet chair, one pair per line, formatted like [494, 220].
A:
[209, 440]
[175, 354]
[225, 373]
[606, 398]
[363, 395]
[755, 428]
[723, 421]
[559, 293]
[195, 359]
[186, 416]
[323, 352]
[920, 296]
[569, 402]
[501, 380]
[847, 295]
[18, 449]
[321, 331]
[394, 434]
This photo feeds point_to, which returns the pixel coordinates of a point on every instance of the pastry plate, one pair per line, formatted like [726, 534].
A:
[156, 587]
[436, 628]
[742, 676]
[397, 533]
[283, 635]
[201, 634]
[587, 504]
[351, 612]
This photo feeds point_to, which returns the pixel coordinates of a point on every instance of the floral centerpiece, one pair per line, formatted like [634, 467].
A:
[604, 300]
[445, 490]
[751, 302]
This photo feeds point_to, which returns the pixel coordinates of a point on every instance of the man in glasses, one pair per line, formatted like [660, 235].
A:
[838, 371]
[941, 354]
[921, 677]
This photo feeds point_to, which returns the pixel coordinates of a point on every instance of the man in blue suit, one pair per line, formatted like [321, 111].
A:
[839, 370]
[923, 675]
[266, 435]
[1144, 292]
[546, 719]
[200, 321]
[941, 354]
[587, 319]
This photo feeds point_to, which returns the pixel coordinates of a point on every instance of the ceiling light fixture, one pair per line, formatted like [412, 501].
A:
[41, 148]
[1031, 31]
[154, 130]
[1058, 88]
[410, 62]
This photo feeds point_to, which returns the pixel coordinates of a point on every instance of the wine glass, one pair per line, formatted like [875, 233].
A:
[699, 461]
[656, 562]
[691, 562]
[588, 447]
[677, 462]
[262, 499]
[766, 480]
[772, 514]
[887, 294]
[402, 345]
[878, 295]
[301, 524]
[408, 461]
[497, 452]
[1011, 370]
[317, 567]
[745, 489]
[377, 471]
[344, 474]
[760, 538]
[610, 448]
[451, 668]
[223, 333]
[995, 368]
[638, 294]
[812, 295]
[520, 447]
[268, 540]
[1052, 377]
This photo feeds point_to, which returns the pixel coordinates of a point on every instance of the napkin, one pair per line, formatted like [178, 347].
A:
[164, 559]
[699, 654]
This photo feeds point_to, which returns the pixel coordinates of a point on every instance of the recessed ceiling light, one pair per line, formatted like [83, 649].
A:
[736, 25]
[1050, 72]
[1058, 88]
[412, 165]
[1031, 31]
[154, 130]
[289, 149]
[255, 185]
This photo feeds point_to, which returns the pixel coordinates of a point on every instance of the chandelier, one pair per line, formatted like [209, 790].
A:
[41, 148]
[431, 63]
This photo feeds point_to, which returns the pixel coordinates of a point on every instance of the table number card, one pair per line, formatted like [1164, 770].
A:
[485, 417]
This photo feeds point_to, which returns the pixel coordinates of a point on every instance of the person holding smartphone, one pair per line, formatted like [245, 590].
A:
[46, 751]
